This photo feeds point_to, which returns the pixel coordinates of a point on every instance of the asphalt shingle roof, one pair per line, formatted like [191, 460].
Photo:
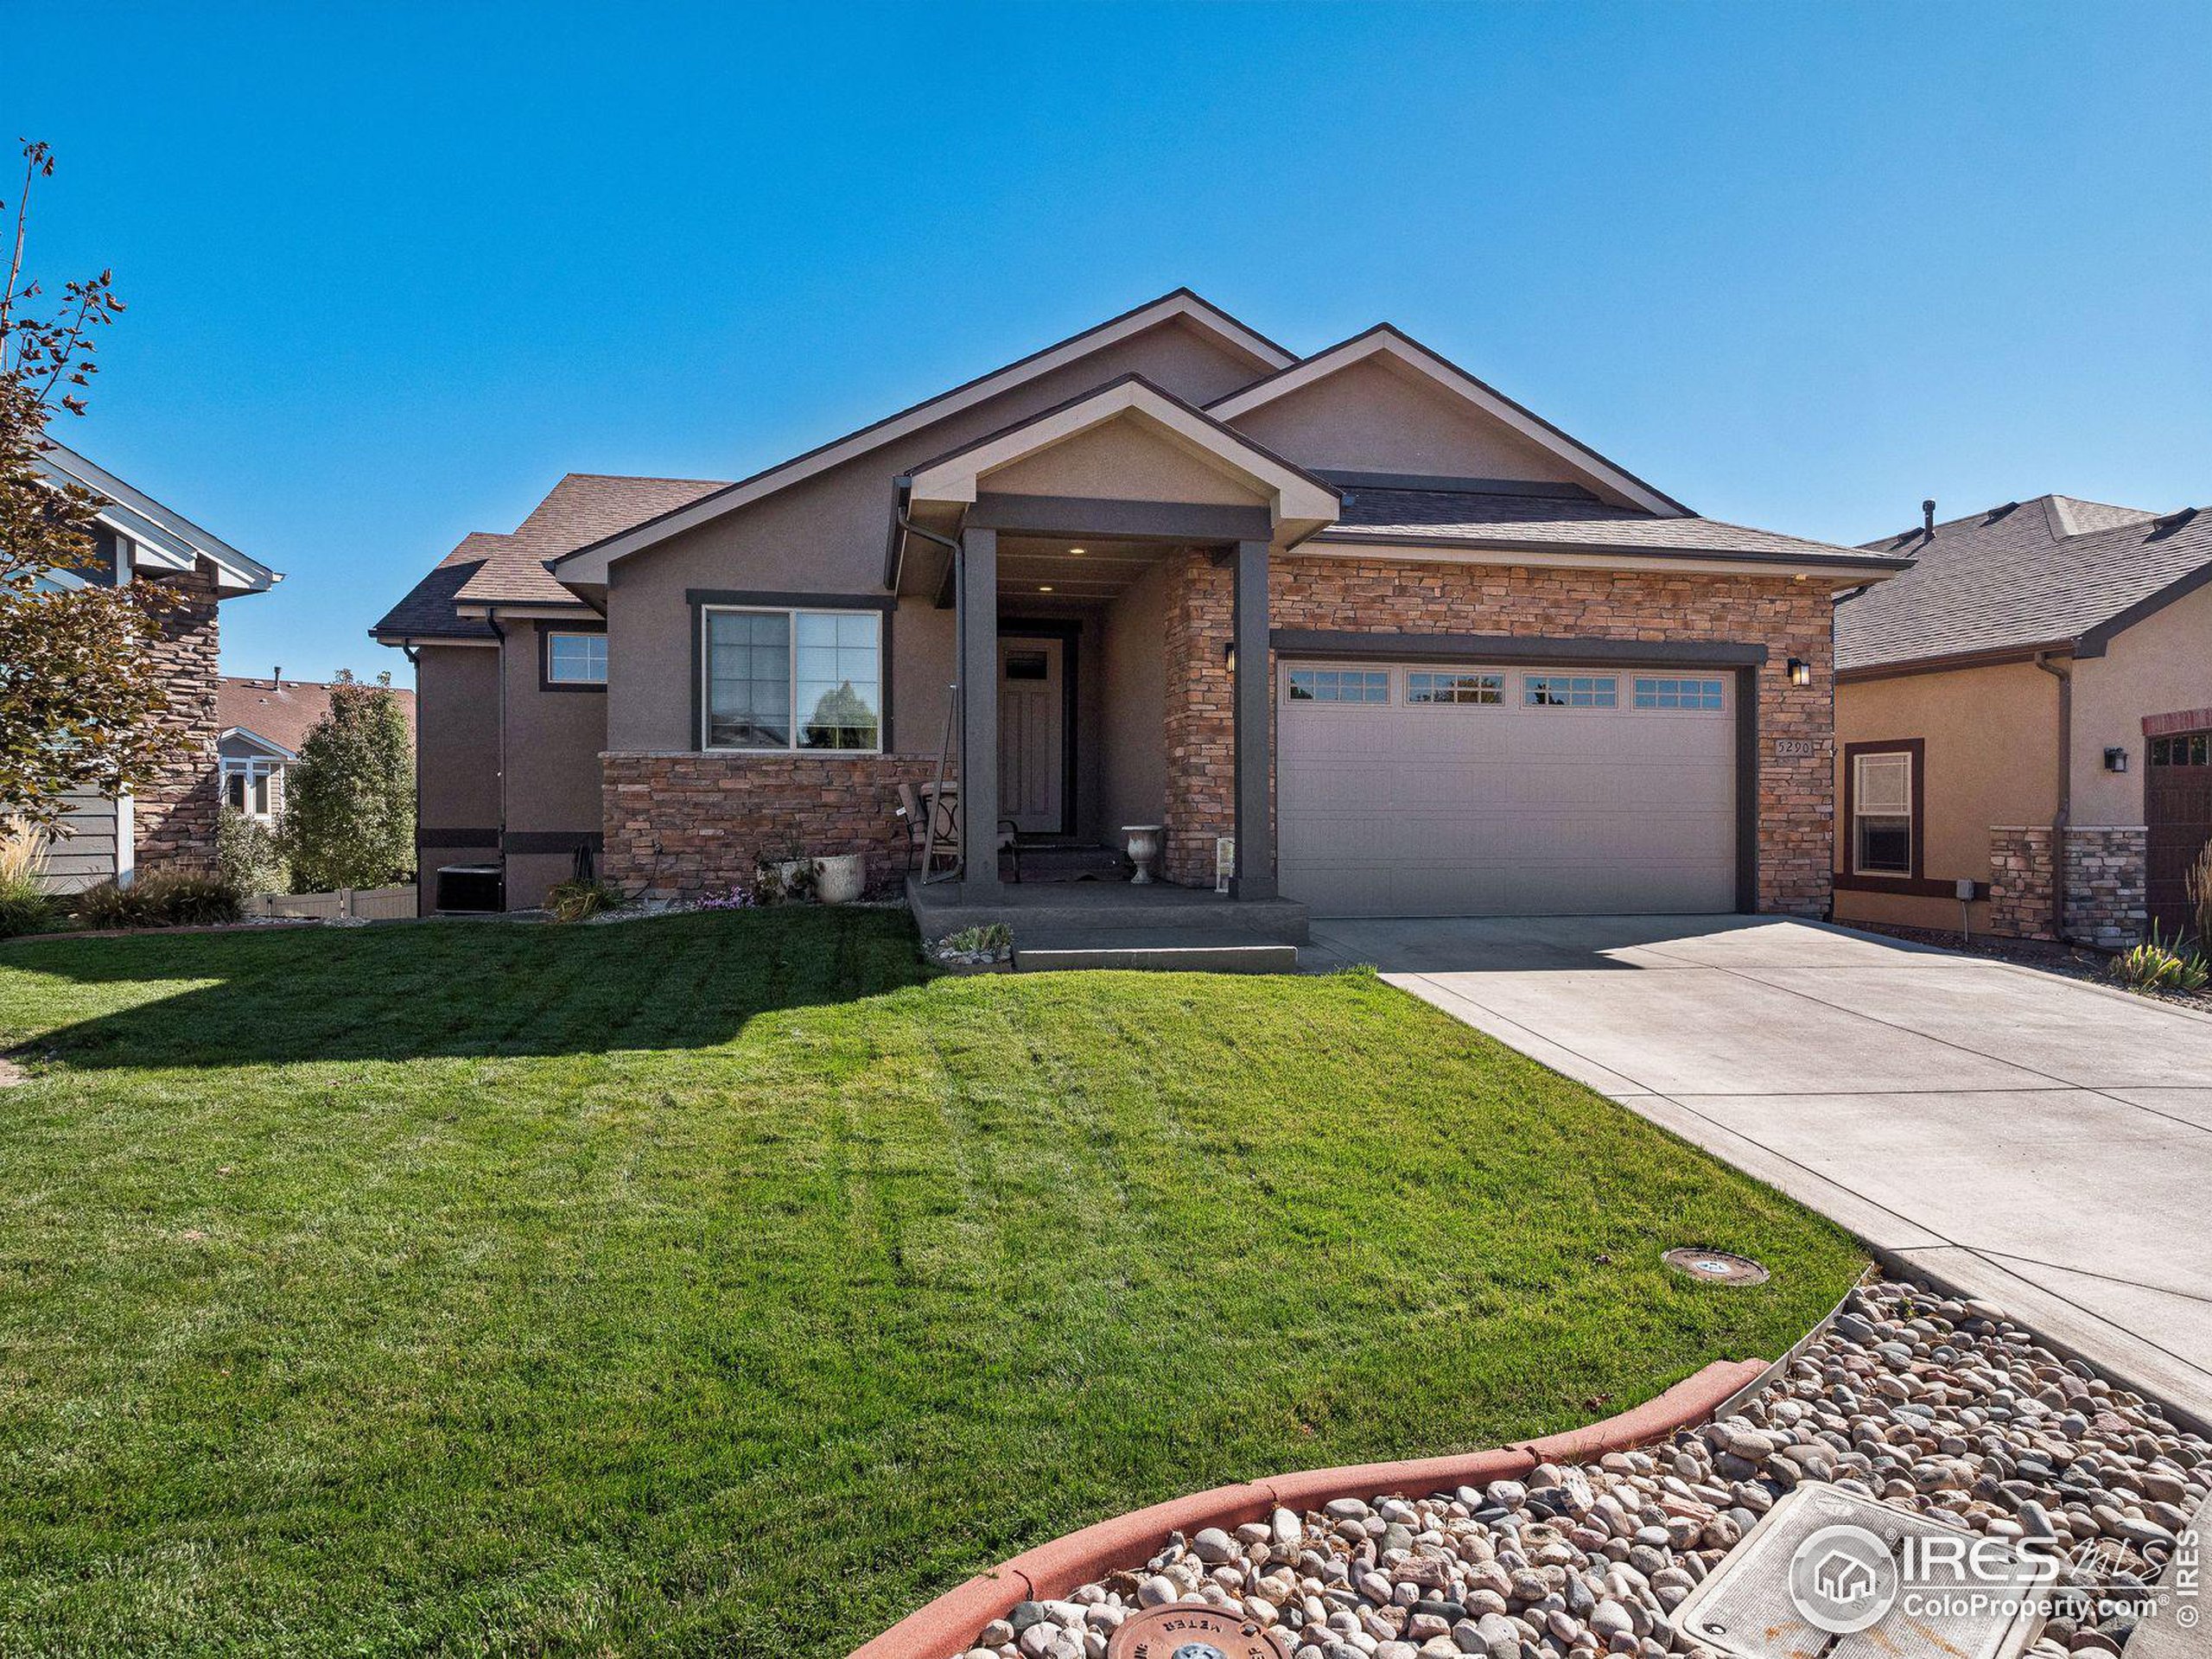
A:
[2044, 572]
[284, 711]
[1566, 519]
[493, 569]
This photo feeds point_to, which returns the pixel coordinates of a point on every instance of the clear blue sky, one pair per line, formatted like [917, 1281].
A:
[392, 271]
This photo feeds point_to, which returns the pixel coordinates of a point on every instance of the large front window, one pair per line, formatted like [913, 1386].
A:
[806, 680]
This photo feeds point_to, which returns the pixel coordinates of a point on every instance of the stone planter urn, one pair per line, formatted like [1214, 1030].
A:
[1144, 847]
[840, 879]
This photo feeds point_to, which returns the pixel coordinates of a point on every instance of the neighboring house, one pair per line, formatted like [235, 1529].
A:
[263, 724]
[168, 823]
[2041, 677]
[1415, 648]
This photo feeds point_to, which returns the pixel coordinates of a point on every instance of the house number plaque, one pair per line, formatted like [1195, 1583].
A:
[1183, 1632]
[1795, 748]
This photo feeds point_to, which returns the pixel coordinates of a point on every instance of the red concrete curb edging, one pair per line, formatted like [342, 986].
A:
[947, 1626]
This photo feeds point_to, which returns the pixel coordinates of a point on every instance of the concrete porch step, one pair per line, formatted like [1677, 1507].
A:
[1192, 951]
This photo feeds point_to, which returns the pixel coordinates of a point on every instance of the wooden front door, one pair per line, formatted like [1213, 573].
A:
[2178, 809]
[1033, 735]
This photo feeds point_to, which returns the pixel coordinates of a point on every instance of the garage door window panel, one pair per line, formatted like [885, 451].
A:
[1456, 689]
[1703, 695]
[1339, 685]
[1570, 692]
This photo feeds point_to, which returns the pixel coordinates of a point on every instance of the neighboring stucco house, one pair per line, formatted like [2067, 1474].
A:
[1415, 649]
[2042, 676]
[167, 823]
[263, 722]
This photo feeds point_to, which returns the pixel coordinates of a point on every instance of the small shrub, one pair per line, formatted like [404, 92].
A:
[25, 905]
[2199, 882]
[246, 854]
[160, 901]
[989, 943]
[575, 901]
[2155, 965]
[788, 877]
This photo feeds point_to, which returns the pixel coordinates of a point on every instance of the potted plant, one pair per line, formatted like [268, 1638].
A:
[841, 878]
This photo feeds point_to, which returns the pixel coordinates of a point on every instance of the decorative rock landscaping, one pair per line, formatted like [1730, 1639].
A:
[1941, 1406]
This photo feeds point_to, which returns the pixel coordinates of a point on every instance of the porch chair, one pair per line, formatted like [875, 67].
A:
[910, 811]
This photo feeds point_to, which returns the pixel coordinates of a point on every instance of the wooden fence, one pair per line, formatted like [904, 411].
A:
[347, 904]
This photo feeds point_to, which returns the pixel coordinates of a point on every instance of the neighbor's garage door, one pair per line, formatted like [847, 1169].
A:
[1435, 790]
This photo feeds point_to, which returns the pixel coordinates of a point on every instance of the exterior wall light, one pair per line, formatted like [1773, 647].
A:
[1228, 656]
[2115, 758]
[1801, 672]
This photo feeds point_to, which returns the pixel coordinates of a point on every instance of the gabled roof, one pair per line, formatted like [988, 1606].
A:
[588, 563]
[160, 538]
[1384, 340]
[279, 714]
[2054, 573]
[1539, 518]
[1299, 496]
[486, 571]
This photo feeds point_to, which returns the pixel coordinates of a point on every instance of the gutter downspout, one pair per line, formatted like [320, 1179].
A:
[491, 621]
[2064, 811]
[413, 653]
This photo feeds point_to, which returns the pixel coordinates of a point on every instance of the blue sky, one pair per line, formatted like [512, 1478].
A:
[392, 271]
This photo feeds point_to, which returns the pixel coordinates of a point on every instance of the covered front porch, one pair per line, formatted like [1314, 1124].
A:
[1108, 564]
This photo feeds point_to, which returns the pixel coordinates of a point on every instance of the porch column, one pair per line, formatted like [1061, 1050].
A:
[1252, 703]
[979, 713]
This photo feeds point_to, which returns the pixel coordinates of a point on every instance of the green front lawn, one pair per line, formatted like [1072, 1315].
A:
[715, 1284]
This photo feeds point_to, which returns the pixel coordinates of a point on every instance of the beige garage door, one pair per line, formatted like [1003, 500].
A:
[1441, 789]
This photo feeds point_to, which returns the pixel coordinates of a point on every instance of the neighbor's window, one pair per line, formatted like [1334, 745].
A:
[1338, 685]
[1455, 687]
[1678, 694]
[247, 787]
[1570, 692]
[1881, 813]
[793, 679]
[575, 659]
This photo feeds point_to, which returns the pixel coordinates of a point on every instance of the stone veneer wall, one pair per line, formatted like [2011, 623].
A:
[176, 811]
[679, 824]
[2107, 902]
[1791, 618]
[2020, 880]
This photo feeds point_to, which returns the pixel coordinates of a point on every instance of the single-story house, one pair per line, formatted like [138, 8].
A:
[263, 724]
[167, 823]
[2025, 716]
[1353, 627]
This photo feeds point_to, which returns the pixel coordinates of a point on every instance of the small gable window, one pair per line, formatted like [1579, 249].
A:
[575, 658]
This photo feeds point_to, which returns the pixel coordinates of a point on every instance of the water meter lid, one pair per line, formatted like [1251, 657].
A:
[1189, 1630]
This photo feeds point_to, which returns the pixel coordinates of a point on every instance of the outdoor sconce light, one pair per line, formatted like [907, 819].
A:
[2115, 758]
[1801, 672]
[1228, 656]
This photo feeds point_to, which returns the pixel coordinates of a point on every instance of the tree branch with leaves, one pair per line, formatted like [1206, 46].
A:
[81, 698]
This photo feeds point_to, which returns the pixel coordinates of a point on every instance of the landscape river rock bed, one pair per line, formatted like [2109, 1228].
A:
[1945, 1406]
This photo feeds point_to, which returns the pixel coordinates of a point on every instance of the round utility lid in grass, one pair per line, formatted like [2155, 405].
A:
[1716, 1266]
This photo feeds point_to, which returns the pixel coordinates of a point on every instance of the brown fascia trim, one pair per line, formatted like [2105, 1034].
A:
[1405, 338]
[1843, 563]
[1996, 657]
[1075, 339]
[1538, 489]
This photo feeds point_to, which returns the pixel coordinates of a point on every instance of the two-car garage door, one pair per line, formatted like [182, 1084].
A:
[1449, 789]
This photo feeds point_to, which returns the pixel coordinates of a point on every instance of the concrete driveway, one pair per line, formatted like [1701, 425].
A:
[2043, 1142]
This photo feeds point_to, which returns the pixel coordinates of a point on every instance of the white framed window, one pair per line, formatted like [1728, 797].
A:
[249, 787]
[1339, 685]
[1570, 692]
[1882, 830]
[1429, 687]
[575, 658]
[799, 680]
[1667, 691]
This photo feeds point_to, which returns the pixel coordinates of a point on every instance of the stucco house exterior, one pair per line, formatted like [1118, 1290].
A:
[2028, 710]
[261, 725]
[1353, 627]
[168, 823]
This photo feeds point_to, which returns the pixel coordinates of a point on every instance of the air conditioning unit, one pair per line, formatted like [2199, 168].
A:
[472, 888]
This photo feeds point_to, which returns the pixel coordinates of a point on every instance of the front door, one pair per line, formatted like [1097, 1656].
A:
[1033, 735]
[2178, 807]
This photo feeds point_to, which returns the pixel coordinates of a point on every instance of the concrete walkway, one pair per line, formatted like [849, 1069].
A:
[2037, 1140]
